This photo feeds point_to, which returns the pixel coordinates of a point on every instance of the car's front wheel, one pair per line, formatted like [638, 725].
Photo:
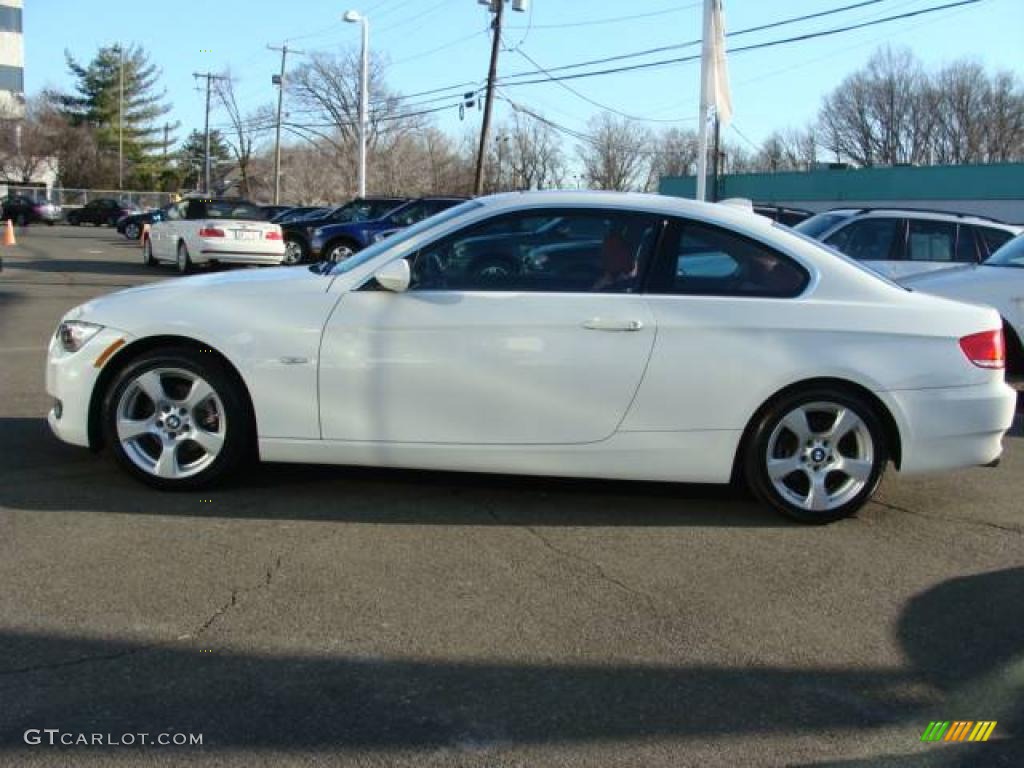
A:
[340, 250]
[817, 456]
[132, 231]
[294, 252]
[175, 419]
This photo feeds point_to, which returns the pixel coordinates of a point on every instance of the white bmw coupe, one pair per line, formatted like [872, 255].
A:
[552, 333]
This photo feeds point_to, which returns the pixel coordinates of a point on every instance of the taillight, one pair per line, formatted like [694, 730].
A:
[209, 231]
[274, 234]
[986, 349]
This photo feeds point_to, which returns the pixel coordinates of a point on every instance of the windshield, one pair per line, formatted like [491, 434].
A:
[1010, 255]
[817, 225]
[229, 209]
[400, 237]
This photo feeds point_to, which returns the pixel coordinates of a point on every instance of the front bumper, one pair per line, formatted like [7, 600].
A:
[954, 427]
[70, 379]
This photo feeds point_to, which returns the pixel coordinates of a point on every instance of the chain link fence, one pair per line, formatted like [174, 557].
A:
[75, 198]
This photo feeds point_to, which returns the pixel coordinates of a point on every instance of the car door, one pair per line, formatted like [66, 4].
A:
[531, 356]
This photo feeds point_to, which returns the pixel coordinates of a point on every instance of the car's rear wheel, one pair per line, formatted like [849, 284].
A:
[817, 456]
[175, 419]
[184, 261]
[294, 252]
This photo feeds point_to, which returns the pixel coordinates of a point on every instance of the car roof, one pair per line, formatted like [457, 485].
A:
[638, 201]
[926, 214]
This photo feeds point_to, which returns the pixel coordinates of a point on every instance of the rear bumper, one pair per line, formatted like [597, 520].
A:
[951, 428]
[235, 256]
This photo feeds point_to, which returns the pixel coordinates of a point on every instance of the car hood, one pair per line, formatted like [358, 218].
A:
[219, 298]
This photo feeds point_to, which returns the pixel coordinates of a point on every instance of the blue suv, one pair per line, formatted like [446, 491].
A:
[336, 242]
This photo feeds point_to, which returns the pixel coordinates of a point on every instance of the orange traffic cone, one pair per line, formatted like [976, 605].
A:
[9, 233]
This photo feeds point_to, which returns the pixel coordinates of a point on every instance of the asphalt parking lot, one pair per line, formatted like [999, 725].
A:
[335, 615]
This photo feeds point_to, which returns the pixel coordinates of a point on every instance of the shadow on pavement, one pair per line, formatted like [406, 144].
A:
[326, 698]
[29, 453]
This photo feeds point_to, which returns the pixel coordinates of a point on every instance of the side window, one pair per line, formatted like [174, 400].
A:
[411, 214]
[966, 245]
[993, 239]
[578, 251]
[703, 260]
[868, 239]
[931, 240]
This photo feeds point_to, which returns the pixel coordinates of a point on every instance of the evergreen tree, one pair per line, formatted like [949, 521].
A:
[96, 102]
[192, 156]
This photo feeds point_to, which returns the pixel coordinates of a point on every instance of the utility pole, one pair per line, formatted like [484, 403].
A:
[497, 6]
[715, 156]
[279, 81]
[120, 123]
[210, 77]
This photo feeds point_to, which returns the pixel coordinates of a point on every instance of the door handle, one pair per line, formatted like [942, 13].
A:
[610, 324]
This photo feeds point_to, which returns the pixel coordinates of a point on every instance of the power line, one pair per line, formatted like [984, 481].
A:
[698, 41]
[595, 22]
[741, 49]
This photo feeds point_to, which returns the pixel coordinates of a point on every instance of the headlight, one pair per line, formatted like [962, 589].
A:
[74, 334]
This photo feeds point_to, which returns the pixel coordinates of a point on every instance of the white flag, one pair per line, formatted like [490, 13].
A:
[714, 67]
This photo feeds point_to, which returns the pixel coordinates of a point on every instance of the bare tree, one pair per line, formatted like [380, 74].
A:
[26, 148]
[615, 154]
[675, 154]
[244, 128]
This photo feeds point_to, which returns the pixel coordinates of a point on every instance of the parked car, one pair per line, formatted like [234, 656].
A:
[399, 357]
[335, 242]
[24, 210]
[899, 242]
[100, 212]
[131, 226]
[998, 282]
[213, 231]
[299, 212]
[299, 233]
[273, 211]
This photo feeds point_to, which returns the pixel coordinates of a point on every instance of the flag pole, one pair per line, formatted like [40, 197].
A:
[705, 64]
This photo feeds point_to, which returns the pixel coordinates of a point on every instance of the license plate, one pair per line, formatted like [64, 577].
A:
[246, 234]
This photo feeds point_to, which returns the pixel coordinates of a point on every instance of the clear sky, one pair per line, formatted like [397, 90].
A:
[433, 43]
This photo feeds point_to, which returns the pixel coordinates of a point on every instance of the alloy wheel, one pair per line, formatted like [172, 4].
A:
[820, 456]
[292, 252]
[339, 253]
[171, 423]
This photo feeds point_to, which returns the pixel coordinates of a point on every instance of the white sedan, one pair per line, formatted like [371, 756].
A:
[550, 333]
[199, 231]
[998, 282]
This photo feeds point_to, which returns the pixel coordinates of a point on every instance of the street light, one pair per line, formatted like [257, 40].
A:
[354, 17]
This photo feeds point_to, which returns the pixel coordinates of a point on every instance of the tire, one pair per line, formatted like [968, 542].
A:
[184, 261]
[295, 252]
[339, 250]
[21, 220]
[73, 221]
[147, 253]
[132, 231]
[830, 476]
[167, 434]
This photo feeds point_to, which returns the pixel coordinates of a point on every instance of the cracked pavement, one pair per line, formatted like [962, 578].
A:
[339, 616]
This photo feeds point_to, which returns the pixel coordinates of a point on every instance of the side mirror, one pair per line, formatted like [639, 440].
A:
[394, 276]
